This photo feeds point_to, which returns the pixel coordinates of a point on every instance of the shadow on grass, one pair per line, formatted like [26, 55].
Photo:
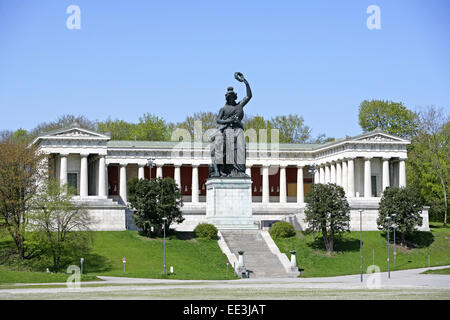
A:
[340, 244]
[415, 239]
[183, 235]
[96, 263]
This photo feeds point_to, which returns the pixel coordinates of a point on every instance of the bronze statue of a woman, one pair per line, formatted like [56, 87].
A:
[228, 145]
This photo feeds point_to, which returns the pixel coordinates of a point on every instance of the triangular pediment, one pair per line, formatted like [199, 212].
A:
[378, 136]
[76, 133]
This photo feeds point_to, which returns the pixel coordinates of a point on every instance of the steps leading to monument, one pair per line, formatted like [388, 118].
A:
[258, 258]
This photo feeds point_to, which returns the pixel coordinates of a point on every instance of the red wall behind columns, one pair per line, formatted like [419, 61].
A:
[291, 174]
[274, 181]
[168, 172]
[147, 172]
[257, 181]
[113, 180]
[203, 173]
[186, 180]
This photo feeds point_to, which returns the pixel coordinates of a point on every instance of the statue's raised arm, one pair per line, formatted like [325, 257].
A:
[240, 77]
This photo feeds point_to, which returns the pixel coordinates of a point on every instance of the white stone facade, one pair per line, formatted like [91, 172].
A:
[99, 169]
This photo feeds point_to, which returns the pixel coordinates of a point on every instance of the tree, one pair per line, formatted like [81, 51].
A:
[60, 227]
[151, 128]
[291, 128]
[392, 117]
[429, 154]
[154, 200]
[328, 211]
[64, 121]
[21, 170]
[208, 121]
[118, 129]
[406, 204]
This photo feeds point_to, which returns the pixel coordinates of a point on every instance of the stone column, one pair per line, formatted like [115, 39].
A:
[317, 176]
[385, 173]
[283, 195]
[84, 175]
[159, 173]
[344, 176]
[265, 183]
[327, 173]
[195, 183]
[177, 175]
[322, 174]
[63, 169]
[367, 178]
[401, 173]
[339, 173]
[351, 178]
[123, 182]
[300, 197]
[141, 174]
[102, 176]
[106, 180]
[333, 172]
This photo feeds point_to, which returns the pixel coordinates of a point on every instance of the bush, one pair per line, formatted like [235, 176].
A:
[282, 229]
[206, 230]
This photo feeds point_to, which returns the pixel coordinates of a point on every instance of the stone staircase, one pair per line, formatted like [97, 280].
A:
[258, 258]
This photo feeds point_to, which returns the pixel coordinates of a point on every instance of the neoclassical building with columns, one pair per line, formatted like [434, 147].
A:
[99, 168]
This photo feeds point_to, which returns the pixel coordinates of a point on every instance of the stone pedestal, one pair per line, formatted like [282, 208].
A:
[229, 203]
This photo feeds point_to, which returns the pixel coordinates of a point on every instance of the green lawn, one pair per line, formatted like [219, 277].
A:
[12, 276]
[315, 262]
[438, 271]
[191, 258]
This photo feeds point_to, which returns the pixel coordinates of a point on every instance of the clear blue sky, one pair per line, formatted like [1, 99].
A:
[173, 58]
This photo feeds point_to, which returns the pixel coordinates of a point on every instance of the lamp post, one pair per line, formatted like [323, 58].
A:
[360, 243]
[395, 251]
[150, 165]
[312, 170]
[388, 259]
[164, 228]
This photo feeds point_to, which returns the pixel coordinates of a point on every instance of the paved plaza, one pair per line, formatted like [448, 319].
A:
[406, 284]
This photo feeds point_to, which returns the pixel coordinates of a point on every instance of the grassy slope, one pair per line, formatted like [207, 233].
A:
[13, 276]
[438, 271]
[316, 262]
[191, 258]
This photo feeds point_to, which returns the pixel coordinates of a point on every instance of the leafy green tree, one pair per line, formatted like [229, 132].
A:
[406, 204]
[151, 128]
[208, 121]
[60, 227]
[392, 117]
[292, 128]
[327, 211]
[21, 170]
[154, 200]
[428, 165]
[118, 129]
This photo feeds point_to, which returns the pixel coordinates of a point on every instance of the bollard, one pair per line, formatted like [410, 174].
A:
[293, 261]
[241, 265]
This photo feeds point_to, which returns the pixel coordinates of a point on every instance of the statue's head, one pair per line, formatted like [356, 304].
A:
[230, 96]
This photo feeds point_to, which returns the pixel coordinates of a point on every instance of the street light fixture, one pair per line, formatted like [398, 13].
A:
[395, 251]
[164, 228]
[150, 162]
[360, 242]
[312, 170]
[388, 259]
